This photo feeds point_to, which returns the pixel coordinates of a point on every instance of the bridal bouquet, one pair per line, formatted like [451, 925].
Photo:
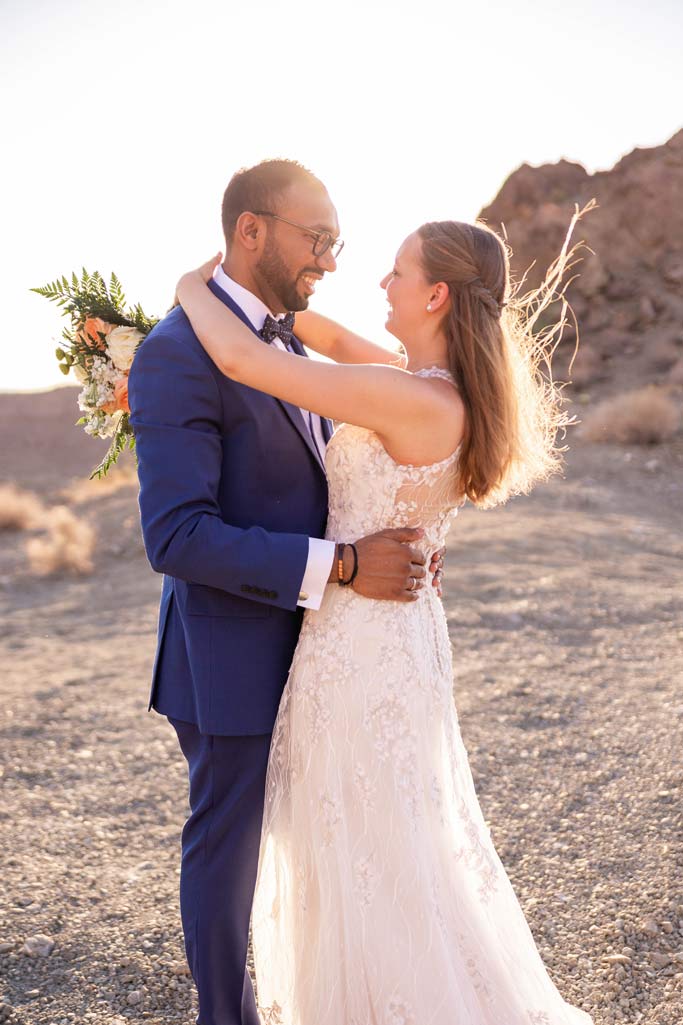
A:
[98, 350]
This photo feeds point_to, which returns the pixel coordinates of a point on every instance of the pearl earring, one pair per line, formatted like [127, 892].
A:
[429, 307]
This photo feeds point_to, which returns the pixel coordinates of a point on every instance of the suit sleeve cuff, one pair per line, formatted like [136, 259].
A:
[320, 558]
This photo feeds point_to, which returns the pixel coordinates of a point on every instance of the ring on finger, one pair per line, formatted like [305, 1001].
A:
[412, 583]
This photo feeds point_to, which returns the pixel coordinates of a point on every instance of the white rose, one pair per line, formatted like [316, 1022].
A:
[121, 345]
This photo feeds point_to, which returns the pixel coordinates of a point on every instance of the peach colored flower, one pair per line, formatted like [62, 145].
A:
[109, 407]
[91, 330]
[121, 393]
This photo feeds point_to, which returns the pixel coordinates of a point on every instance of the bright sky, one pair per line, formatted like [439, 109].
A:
[121, 124]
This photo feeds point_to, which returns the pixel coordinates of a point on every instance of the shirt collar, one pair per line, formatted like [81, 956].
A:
[250, 304]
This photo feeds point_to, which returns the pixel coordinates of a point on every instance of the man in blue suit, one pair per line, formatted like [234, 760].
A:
[233, 501]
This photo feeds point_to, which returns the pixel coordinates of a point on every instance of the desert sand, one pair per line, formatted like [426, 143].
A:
[565, 616]
[565, 613]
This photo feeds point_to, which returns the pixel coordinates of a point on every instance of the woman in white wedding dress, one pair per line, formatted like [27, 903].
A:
[380, 898]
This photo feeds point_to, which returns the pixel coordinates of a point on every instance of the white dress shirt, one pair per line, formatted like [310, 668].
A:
[320, 552]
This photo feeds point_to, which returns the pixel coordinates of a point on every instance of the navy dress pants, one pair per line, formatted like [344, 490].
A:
[220, 851]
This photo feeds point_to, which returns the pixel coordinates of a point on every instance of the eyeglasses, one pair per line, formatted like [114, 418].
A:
[323, 240]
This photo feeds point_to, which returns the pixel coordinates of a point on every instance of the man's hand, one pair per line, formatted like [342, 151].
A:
[390, 567]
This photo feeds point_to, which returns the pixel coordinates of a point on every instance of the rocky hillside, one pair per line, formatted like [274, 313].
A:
[629, 296]
[43, 447]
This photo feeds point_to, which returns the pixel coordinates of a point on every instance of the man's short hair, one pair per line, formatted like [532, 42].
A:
[259, 188]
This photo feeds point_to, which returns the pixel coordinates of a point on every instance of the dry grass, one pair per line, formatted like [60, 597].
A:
[64, 543]
[19, 509]
[66, 547]
[118, 477]
[644, 416]
[676, 374]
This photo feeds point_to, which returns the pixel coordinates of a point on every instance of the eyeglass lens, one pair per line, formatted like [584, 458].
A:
[323, 243]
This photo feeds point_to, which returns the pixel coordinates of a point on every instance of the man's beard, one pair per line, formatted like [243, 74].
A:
[273, 269]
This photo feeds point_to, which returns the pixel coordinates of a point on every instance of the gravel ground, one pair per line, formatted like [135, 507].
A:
[565, 615]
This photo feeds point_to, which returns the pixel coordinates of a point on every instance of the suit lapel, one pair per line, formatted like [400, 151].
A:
[292, 412]
[324, 422]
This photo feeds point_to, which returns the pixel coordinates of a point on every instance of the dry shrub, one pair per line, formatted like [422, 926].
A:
[67, 546]
[19, 509]
[676, 373]
[644, 416]
[86, 490]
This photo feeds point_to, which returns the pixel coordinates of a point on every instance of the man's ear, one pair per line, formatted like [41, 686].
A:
[249, 231]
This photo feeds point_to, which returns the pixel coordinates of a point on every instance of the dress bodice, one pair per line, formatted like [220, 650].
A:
[369, 491]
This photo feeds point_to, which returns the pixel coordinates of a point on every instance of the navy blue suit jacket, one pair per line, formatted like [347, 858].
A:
[231, 488]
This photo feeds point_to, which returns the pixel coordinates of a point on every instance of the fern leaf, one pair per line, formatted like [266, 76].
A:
[122, 439]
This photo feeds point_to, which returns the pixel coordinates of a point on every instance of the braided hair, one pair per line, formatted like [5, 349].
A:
[484, 295]
[500, 364]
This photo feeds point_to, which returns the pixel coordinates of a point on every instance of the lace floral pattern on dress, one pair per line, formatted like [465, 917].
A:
[380, 898]
[271, 1015]
[477, 853]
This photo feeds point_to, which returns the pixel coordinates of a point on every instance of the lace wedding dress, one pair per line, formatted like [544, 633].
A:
[380, 898]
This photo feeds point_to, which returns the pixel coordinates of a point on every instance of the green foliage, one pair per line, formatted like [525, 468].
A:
[82, 298]
[122, 440]
[90, 296]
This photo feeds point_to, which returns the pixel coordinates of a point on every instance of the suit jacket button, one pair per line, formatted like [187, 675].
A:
[303, 596]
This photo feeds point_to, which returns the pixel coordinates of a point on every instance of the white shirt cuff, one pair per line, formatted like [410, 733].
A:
[320, 558]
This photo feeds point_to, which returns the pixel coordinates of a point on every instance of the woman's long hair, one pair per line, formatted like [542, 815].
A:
[501, 358]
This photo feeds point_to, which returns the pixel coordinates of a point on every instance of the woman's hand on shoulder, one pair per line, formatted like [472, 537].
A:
[203, 273]
[206, 270]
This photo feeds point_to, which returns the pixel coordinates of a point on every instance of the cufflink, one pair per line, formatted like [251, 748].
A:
[303, 596]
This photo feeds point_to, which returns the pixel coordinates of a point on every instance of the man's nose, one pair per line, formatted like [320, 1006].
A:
[327, 261]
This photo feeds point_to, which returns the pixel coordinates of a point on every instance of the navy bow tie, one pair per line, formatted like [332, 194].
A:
[282, 329]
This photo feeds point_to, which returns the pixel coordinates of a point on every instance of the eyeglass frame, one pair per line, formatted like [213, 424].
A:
[311, 231]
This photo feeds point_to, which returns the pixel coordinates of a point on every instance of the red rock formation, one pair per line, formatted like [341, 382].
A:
[629, 296]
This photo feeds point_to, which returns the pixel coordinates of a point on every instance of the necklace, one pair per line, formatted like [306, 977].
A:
[430, 366]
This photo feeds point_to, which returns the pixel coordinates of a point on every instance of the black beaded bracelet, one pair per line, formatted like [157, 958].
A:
[340, 563]
[345, 583]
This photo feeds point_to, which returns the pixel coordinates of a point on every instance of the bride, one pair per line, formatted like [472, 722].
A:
[380, 898]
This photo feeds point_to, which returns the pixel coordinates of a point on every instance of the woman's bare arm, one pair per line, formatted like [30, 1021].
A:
[387, 399]
[338, 343]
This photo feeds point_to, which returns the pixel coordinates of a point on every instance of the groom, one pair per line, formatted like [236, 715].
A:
[233, 501]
